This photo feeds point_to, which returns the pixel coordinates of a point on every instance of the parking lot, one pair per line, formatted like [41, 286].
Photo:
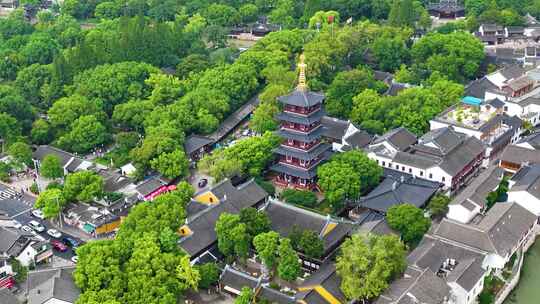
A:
[18, 206]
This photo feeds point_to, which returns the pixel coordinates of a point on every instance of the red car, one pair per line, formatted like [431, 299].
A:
[57, 245]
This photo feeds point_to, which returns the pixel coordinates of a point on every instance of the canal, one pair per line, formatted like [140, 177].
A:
[528, 289]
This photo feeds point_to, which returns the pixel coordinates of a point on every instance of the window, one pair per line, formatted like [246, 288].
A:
[443, 179]
[410, 170]
[505, 108]
[402, 168]
[430, 175]
[421, 173]
[384, 163]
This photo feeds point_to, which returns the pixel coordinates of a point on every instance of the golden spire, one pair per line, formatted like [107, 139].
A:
[302, 86]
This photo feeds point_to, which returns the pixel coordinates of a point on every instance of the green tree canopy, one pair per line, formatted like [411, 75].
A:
[289, 267]
[368, 263]
[51, 202]
[50, 167]
[86, 132]
[21, 154]
[171, 165]
[232, 236]
[83, 186]
[347, 175]
[409, 220]
[438, 205]
[267, 245]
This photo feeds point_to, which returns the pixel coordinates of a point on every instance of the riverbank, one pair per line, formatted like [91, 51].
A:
[527, 291]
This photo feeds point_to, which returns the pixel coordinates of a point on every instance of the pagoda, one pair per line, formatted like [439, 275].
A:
[302, 149]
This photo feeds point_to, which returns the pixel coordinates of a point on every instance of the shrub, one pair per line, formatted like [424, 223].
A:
[209, 275]
[298, 197]
[34, 188]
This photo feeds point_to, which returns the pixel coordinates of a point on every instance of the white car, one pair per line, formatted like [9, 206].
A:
[54, 233]
[75, 259]
[36, 226]
[38, 213]
[15, 224]
[26, 229]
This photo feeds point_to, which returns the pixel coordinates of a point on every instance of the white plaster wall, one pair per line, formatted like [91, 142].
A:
[526, 200]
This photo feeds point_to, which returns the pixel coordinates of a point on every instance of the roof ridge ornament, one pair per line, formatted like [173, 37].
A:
[302, 85]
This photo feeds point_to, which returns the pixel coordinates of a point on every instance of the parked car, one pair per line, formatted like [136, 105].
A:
[203, 182]
[57, 245]
[26, 229]
[54, 233]
[71, 242]
[38, 213]
[36, 226]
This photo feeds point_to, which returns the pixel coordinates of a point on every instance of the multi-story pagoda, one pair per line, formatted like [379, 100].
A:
[302, 149]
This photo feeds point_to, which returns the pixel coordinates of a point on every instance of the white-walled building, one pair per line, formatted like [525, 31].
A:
[442, 155]
[24, 247]
[525, 188]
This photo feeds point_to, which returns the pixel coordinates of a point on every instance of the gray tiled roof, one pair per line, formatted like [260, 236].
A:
[421, 285]
[391, 192]
[520, 155]
[533, 140]
[528, 179]
[335, 128]
[478, 88]
[274, 296]
[432, 253]
[455, 161]
[45, 150]
[326, 277]
[234, 119]
[305, 155]
[479, 188]
[195, 143]
[305, 120]
[285, 216]
[148, 186]
[237, 279]
[444, 139]
[494, 233]
[232, 200]
[54, 284]
[400, 138]
[302, 99]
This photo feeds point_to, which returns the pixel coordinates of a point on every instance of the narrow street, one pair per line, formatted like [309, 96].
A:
[19, 208]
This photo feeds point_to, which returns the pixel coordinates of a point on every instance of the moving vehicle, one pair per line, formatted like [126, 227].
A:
[75, 259]
[54, 233]
[71, 242]
[26, 229]
[203, 182]
[36, 226]
[57, 245]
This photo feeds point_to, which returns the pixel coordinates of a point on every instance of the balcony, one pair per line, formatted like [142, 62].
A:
[296, 162]
[300, 128]
[305, 111]
[300, 145]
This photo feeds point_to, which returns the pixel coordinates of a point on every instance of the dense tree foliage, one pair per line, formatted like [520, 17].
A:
[133, 268]
[83, 186]
[51, 202]
[438, 205]
[289, 267]
[347, 175]
[248, 156]
[409, 220]
[50, 167]
[299, 197]
[367, 264]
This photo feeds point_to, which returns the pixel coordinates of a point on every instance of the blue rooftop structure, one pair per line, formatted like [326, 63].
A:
[473, 101]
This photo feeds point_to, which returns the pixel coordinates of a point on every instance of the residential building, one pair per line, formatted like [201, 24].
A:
[470, 202]
[459, 267]
[302, 149]
[396, 188]
[55, 286]
[196, 146]
[491, 34]
[518, 89]
[516, 156]
[197, 235]
[484, 120]
[322, 286]
[442, 155]
[69, 162]
[525, 188]
[153, 186]
[286, 218]
[505, 229]
[92, 220]
[24, 247]
[344, 135]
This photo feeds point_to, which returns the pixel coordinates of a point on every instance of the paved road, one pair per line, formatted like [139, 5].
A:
[19, 206]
